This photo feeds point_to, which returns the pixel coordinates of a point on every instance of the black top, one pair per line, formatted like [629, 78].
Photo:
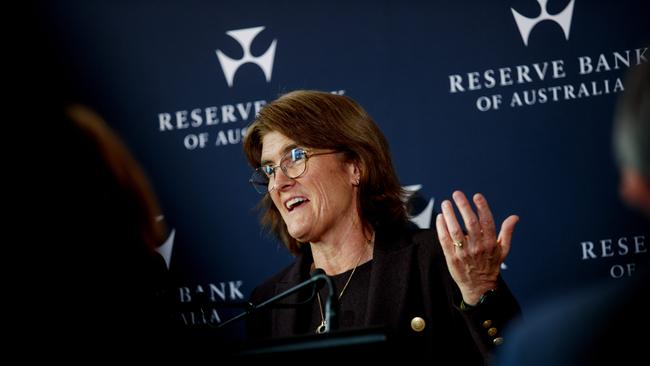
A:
[409, 293]
[350, 309]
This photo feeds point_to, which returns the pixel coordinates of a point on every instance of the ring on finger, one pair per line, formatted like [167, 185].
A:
[458, 243]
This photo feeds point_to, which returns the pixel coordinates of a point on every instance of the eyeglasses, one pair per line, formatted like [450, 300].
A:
[293, 165]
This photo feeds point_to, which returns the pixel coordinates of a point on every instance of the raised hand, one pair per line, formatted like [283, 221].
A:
[474, 258]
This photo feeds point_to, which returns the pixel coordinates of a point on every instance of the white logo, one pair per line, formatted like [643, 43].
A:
[526, 25]
[423, 219]
[165, 250]
[245, 38]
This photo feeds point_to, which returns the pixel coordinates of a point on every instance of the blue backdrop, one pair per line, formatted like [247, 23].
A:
[468, 97]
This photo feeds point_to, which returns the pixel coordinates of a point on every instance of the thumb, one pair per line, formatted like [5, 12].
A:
[505, 235]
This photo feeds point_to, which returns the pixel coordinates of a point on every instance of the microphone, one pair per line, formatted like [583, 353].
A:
[317, 276]
[317, 271]
[320, 273]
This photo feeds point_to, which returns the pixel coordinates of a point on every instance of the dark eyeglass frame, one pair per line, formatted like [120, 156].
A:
[290, 157]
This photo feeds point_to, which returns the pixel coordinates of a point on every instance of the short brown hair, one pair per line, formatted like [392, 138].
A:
[316, 119]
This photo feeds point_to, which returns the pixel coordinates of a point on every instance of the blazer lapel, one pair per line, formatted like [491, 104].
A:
[388, 284]
[284, 319]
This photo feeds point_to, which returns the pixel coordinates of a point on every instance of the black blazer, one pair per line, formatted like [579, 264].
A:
[409, 278]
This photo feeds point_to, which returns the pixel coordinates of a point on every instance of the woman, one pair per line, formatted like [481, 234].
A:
[332, 196]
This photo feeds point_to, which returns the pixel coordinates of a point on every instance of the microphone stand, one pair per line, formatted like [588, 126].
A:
[310, 282]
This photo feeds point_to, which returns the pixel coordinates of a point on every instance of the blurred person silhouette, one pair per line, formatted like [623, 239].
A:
[90, 285]
[606, 323]
[632, 140]
[100, 274]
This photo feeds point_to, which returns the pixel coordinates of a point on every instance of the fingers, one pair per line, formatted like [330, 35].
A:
[476, 226]
[452, 225]
[469, 217]
[505, 235]
[443, 236]
[486, 221]
[481, 230]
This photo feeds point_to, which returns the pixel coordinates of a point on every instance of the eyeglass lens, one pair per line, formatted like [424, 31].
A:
[293, 165]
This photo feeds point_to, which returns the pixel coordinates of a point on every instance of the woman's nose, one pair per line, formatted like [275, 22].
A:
[281, 181]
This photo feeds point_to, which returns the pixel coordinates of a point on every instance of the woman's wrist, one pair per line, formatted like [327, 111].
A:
[482, 299]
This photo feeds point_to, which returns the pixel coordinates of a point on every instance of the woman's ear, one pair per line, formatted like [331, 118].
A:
[355, 167]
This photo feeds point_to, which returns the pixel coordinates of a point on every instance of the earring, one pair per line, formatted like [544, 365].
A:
[355, 182]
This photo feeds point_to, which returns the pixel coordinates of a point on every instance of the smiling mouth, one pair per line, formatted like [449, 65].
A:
[295, 202]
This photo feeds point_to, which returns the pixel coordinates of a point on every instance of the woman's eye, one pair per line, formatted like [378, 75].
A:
[297, 154]
[268, 170]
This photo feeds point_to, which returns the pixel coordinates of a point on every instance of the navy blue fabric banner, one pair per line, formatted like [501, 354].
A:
[513, 99]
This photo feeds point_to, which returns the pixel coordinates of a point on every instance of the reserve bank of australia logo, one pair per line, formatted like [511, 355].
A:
[423, 218]
[526, 25]
[245, 37]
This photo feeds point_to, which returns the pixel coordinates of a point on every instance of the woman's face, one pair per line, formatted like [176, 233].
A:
[319, 204]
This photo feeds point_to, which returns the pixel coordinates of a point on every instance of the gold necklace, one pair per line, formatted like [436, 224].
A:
[323, 324]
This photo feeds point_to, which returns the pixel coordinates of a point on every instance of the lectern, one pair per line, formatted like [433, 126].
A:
[370, 344]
